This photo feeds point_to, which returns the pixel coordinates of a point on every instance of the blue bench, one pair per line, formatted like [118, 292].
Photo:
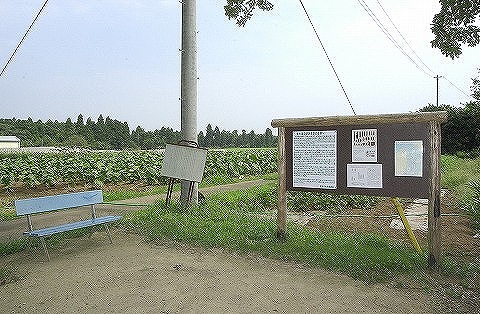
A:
[28, 207]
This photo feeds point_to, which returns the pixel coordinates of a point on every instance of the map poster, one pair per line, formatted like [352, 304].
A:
[315, 159]
[364, 145]
[408, 158]
[367, 176]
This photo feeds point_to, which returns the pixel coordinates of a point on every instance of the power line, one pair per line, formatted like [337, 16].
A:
[328, 58]
[401, 35]
[458, 88]
[23, 38]
[389, 36]
[416, 55]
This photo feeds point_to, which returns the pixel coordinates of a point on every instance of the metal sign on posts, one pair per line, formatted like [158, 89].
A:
[380, 155]
[185, 163]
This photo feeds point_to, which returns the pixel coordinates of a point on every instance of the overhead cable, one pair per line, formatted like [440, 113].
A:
[328, 58]
[23, 38]
[458, 88]
[389, 36]
[416, 55]
[403, 37]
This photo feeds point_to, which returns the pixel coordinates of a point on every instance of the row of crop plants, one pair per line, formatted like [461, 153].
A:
[50, 169]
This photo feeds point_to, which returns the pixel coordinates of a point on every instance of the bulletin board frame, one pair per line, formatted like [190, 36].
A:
[300, 153]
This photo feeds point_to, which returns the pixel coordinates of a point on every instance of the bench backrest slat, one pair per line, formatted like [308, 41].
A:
[55, 202]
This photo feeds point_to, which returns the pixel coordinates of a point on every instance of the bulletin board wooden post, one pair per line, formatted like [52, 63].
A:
[396, 155]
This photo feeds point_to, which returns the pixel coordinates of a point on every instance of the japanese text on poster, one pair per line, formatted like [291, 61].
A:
[315, 159]
[364, 145]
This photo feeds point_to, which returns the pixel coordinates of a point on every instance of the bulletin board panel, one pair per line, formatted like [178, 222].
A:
[369, 159]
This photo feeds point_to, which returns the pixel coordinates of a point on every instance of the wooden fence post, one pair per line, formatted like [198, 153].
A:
[434, 220]
[282, 186]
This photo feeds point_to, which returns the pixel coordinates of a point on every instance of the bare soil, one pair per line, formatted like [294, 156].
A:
[135, 276]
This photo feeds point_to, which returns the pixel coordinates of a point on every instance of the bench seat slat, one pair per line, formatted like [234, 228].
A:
[72, 226]
[56, 202]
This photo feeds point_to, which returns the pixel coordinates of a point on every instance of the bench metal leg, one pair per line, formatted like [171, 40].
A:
[45, 247]
[108, 232]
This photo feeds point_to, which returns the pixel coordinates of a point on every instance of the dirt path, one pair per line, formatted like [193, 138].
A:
[134, 276]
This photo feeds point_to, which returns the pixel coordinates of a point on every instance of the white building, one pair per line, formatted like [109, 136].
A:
[9, 142]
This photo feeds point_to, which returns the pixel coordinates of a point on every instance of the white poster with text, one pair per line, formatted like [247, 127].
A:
[315, 159]
[364, 145]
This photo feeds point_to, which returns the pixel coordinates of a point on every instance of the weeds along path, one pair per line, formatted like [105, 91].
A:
[13, 229]
[136, 276]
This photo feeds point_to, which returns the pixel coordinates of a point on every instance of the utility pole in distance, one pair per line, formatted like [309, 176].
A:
[437, 77]
[188, 92]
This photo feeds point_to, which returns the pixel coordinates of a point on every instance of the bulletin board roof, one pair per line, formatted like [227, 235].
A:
[419, 117]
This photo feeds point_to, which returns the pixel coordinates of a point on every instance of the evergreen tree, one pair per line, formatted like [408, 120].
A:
[113, 134]
[209, 136]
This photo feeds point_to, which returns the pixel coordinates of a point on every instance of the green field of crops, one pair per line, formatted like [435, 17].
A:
[50, 169]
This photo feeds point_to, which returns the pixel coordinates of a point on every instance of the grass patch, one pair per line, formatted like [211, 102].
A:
[368, 257]
[264, 197]
[117, 195]
[13, 246]
[234, 221]
[226, 221]
[331, 203]
[7, 213]
[456, 173]
[18, 245]
[224, 179]
[462, 176]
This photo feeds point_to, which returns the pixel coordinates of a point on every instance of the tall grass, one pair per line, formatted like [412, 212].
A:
[471, 202]
[462, 177]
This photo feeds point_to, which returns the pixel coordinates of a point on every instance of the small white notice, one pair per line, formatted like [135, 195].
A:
[315, 159]
[364, 176]
[364, 145]
[408, 158]
[184, 162]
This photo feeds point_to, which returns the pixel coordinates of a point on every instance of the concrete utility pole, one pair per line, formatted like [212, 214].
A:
[189, 85]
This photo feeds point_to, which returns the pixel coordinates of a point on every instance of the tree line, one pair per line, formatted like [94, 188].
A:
[461, 131]
[108, 133]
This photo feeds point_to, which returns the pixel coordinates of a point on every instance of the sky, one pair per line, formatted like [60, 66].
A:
[121, 58]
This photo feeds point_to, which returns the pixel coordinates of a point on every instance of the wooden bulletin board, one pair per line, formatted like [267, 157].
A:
[385, 155]
[367, 159]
